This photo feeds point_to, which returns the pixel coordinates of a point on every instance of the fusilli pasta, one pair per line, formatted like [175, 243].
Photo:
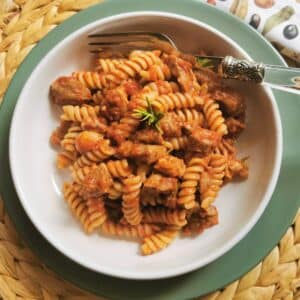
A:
[214, 116]
[191, 177]
[138, 232]
[164, 216]
[147, 156]
[173, 101]
[158, 241]
[131, 199]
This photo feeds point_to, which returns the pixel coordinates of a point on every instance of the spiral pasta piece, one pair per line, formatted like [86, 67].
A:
[95, 80]
[165, 216]
[191, 116]
[80, 174]
[217, 168]
[128, 125]
[156, 72]
[98, 97]
[226, 148]
[142, 171]
[65, 159]
[80, 113]
[128, 231]
[214, 116]
[96, 214]
[191, 177]
[161, 87]
[68, 141]
[158, 241]
[164, 103]
[76, 204]
[131, 199]
[116, 190]
[176, 143]
[118, 168]
[108, 65]
[151, 201]
[137, 62]
[102, 152]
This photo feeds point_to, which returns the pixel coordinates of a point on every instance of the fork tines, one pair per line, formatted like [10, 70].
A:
[124, 42]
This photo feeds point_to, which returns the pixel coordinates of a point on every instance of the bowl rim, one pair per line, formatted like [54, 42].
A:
[177, 270]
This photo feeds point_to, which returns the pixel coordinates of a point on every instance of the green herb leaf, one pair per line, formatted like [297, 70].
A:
[149, 115]
[204, 62]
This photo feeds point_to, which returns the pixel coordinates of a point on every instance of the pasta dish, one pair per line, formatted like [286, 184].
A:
[149, 139]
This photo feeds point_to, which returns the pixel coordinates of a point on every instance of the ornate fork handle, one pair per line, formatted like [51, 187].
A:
[283, 78]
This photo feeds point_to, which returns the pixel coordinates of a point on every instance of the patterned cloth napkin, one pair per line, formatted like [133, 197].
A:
[277, 20]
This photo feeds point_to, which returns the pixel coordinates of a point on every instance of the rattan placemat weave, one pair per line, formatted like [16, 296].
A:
[22, 276]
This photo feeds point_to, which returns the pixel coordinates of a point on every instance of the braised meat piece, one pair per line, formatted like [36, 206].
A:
[98, 179]
[145, 153]
[203, 140]
[201, 220]
[234, 126]
[125, 149]
[237, 168]
[184, 73]
[69, 90]
[98, 124]
[209, 77]
[148, 153]
[116, 133]
[114, 104]
[158, 184]
[131, 87]
[170, 166]
[148, 136]
[171, 125]
[232, 102]
[59, 133]
[166, 87]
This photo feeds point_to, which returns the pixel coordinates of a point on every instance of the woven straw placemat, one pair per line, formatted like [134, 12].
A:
[22, 276]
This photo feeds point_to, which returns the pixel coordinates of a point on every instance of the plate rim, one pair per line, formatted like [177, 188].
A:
[6, 111]
[175, 271]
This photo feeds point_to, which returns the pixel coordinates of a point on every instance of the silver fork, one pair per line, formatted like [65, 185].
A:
[278, 77]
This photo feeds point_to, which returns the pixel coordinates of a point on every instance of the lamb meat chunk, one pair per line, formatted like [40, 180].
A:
[170, 166]
[158, 184]
[131, 87]
[171, 125]
[145, 153]
[59, 133]
[166, 87]
[209, 77]
[148, 136]
[114, 105]
[201, 220]
[116, 132]
[232, 102]
[148, 153]
[125, 149]
[99, 179]
[235, 126]
[184, 73]
[203, 140]
[69, 90]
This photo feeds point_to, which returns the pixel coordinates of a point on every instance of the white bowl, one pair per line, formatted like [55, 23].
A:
[39, 183]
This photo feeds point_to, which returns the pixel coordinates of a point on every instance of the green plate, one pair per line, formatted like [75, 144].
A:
[242, 257]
